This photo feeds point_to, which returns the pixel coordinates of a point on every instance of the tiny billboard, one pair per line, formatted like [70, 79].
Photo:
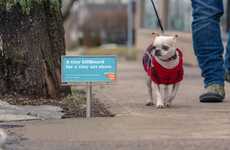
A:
[84, 69]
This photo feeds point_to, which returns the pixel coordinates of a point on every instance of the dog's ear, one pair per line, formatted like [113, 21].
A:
[155, 34]
[176, 36]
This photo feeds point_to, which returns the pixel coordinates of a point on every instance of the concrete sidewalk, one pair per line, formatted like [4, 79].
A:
[187, 125]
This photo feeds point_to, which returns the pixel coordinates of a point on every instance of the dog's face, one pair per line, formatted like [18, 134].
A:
[164, 47]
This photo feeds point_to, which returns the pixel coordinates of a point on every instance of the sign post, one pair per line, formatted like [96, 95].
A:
[89, 99]
[88, 70]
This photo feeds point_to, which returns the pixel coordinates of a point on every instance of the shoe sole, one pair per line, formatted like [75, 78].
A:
[211, 98]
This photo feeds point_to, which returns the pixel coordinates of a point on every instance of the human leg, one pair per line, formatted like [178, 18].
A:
[208, 45]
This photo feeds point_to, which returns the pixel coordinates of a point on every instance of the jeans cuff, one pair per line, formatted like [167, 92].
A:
[214, 82]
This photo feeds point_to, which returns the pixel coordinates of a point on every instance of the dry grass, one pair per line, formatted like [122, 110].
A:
[121, 52]
[75, 106]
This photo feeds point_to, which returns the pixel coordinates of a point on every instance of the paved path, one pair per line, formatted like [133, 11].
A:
[129, 94]
[187, 125]
[22, 113]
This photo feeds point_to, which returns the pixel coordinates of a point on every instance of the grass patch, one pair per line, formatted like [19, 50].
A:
[75, 106]
[122, 52]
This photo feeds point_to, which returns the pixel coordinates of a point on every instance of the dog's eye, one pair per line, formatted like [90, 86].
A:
[153, 48]
[164, 47]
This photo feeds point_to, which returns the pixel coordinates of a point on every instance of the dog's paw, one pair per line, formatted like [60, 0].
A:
[160, 106]
[168, 104]
[149, 104]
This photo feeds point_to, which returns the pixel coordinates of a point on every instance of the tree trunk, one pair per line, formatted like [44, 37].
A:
[32, 38]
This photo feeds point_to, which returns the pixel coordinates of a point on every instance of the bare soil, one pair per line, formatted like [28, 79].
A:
[73, 106]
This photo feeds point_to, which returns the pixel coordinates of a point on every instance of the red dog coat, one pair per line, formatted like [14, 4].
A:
[159, 74]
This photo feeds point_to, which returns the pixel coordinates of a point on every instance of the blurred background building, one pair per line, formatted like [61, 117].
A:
[96, 22]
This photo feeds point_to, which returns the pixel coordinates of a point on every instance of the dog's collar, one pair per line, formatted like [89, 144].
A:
[169, 59]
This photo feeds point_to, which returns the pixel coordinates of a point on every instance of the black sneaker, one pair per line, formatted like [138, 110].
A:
[214, 93]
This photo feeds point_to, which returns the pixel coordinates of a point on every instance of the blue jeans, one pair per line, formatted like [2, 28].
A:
[207, 40]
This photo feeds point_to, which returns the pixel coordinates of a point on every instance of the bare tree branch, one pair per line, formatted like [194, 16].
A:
[67, 10]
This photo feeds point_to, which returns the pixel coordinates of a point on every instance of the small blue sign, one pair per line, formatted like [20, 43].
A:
[88, 69]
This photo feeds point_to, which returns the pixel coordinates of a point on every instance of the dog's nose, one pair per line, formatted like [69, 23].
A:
[157, 52]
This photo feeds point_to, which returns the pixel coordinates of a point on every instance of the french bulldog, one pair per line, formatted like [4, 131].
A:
[163, 64]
